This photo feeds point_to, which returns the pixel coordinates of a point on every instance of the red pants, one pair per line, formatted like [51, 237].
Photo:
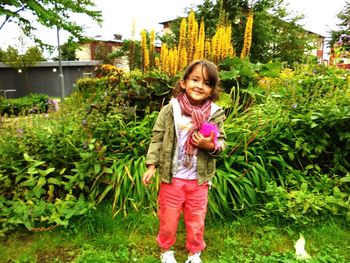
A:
[190, 198]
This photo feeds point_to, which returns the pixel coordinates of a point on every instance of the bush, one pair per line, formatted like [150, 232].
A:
[33, 103]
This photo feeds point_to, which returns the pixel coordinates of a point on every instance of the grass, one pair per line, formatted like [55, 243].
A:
[99, 238]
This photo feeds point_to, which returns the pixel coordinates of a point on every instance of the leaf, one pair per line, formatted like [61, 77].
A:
[38, 163]
[38, 191]
[41, 182]
[313, 125]
[47, 171]
[19, 177]
[107, 170]
[27, 157]
[304, 187]
[291, 155]
[309, 167]
[54, 180]
[345, 179]
[104, 193]
[50, 192]
[30, 182]
[225, 100]
[81, 185]
[306, 207]
[97, 168]
[33, 170]
[271, 69]
[129, 175]
[229, 75]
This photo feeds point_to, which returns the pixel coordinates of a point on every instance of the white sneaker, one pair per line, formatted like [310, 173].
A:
[195, 258]
[168, 257]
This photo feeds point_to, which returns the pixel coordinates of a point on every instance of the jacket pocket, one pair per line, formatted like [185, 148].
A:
[211, 166]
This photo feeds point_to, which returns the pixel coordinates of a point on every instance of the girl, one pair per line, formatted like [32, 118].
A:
[185, 157]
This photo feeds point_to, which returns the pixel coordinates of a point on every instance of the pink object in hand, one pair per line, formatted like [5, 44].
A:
[207, 128]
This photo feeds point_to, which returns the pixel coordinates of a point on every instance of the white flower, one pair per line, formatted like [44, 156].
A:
[300, 251]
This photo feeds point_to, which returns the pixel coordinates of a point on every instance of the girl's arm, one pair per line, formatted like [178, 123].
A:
[156, 143]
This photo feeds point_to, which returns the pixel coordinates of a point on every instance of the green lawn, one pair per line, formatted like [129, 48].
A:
[99, 238]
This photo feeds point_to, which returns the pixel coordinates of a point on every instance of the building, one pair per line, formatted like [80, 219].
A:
[318, 41]
[43, 77]
[98, 48]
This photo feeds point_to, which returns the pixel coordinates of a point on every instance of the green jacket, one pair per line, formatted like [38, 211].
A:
[163, 147]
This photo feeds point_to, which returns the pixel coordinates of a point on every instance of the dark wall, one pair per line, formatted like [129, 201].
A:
[44, 78]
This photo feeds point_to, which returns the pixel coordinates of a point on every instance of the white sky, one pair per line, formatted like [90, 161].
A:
[118, 16]
[147, 14]
[320, 15]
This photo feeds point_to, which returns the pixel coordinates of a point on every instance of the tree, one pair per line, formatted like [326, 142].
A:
[282, 39]
[275, 33]
[48, 13]
[14, 59]
[132, 50]
[68, 49]
[341, 37]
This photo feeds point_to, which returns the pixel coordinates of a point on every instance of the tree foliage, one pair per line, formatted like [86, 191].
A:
[68, 49]
[342, 34]
[15, 59]
[276, 34]
[131, 49]
[48, 13]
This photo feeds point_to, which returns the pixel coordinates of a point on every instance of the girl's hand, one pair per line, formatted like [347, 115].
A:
[147, 176]
[205, 143]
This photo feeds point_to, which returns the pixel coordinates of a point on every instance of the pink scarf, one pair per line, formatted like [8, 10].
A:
[199, 114]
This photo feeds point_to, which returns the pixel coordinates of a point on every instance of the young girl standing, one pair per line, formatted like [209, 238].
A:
[184, 150]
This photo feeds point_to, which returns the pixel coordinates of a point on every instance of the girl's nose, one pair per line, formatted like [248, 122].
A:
[199, 85]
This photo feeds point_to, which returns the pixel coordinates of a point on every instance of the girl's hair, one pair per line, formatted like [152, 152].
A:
[212, 75]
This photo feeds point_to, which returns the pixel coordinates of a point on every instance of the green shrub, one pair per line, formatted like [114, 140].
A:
[33, 103]
[37, 158]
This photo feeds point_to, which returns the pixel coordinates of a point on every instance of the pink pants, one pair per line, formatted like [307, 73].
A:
[190, 198]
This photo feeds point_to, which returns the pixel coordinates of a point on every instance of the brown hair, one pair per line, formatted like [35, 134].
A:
[212, 73]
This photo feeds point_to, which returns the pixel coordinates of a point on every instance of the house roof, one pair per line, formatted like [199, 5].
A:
[100, 38]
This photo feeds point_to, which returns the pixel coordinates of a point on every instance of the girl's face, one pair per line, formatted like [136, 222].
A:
[197, 86]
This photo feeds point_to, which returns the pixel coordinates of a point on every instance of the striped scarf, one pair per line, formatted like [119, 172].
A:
[199, 114]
